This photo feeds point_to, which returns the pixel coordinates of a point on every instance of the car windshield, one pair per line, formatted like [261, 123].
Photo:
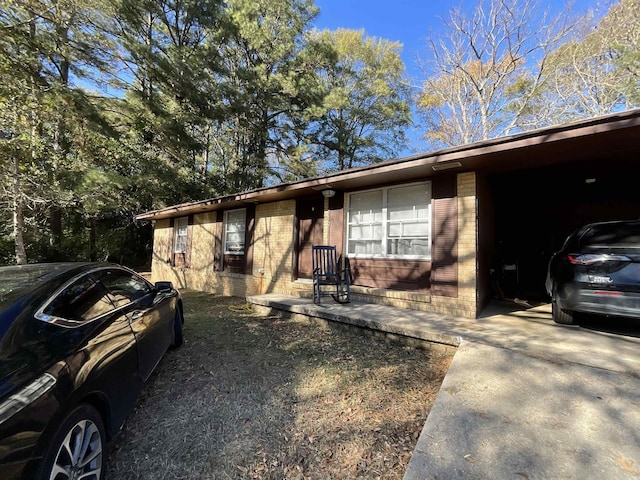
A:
[14, 280]
[612, 235]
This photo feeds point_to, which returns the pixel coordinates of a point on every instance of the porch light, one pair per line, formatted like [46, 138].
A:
[328, 193]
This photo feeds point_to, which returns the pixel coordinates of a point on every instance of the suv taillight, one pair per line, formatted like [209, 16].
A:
[590, 258]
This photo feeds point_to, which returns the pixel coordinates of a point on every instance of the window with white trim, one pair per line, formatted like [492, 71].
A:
[234, 231]
[391, 222]
[180, 228]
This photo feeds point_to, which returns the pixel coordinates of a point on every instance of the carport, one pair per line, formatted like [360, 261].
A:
[549, 182]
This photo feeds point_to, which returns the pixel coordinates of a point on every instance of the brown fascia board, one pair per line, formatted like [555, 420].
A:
[472, 156]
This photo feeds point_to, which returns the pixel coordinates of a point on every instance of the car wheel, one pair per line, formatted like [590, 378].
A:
[564, 317]
[177, 329]
[77, 448]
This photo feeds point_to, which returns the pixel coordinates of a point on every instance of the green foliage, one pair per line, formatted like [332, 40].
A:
[113, 107]
[366, 100]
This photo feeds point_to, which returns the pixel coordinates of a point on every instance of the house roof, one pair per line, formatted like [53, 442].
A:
[610, 137]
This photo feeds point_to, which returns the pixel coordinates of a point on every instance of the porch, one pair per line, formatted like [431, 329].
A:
[519, 327]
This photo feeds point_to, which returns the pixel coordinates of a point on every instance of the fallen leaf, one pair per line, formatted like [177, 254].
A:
[626, 465]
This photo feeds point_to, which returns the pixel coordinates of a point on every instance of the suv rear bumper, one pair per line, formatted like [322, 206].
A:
[601, 302]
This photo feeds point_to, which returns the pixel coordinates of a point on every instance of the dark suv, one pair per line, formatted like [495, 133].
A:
[597, 271]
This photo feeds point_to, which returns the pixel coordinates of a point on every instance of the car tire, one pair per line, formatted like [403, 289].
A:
[77, 449]
[563, 317]
[177, 329]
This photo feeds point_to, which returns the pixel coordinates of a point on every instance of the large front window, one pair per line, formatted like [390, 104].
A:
[235, 226]
[393, 222]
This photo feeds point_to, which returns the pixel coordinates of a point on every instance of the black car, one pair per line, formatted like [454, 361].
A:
[597, 271]
[77, 342]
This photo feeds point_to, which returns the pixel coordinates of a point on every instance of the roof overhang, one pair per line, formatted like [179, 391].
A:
[611, 137]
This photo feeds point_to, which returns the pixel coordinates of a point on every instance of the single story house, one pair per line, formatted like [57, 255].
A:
[443, 231]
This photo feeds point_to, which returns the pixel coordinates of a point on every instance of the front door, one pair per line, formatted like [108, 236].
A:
[310, 214]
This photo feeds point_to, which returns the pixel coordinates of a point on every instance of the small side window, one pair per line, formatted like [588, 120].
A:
[80, 302]
[125, 287]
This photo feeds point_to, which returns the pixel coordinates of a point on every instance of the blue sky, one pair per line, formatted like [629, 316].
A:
[409, 22]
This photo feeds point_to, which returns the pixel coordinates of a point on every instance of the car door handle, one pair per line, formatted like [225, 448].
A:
[136, 315]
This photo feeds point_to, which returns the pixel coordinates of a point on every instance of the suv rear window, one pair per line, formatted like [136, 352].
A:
[612, 235]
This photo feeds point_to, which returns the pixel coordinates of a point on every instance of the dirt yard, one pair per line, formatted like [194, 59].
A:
[255, 397]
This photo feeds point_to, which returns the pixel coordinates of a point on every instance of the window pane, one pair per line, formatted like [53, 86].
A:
[235, 232]
[395, 229]
[406, 203]
[81, 301]
[181, 244]
[409, 229]
[615, 234]
[365, 247]
[356, 232]
[415, 229]
[180, 240]
[365, 232]
[408, 247]
[123, 286]
[365, 207]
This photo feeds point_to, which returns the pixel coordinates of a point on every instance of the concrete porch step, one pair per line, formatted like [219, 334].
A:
[411, 324]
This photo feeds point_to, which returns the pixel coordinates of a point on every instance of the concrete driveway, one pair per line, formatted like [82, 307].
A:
[611, 344]
[528, 399]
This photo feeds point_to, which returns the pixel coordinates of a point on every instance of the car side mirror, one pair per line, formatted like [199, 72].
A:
[164, 287]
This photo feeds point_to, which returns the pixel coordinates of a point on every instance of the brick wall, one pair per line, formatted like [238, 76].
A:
[273, 258]
[200, 275]
[273, 246]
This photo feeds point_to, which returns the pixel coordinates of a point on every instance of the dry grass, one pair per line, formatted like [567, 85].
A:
[250, 396]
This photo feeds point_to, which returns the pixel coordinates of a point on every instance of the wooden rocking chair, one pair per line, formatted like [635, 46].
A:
[326, 273]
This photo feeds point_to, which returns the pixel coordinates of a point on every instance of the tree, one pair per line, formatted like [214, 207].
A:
[267, 84]
[486, 70]
[112, 107]
[170, 58]
[598, 72]
[45, 50]
[366, 104]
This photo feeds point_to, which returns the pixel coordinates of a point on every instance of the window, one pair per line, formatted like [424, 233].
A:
[181, 229]
[393, 222]
[82, 301]
[234, 231]
[125, 287]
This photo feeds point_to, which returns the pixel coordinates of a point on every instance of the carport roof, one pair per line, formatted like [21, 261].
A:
[610, 137]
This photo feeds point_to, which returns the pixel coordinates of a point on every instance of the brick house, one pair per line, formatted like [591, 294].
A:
[437, 232]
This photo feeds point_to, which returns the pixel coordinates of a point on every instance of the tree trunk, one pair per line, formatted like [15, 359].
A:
[61, 145]
[18, 215]
[93, 253]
